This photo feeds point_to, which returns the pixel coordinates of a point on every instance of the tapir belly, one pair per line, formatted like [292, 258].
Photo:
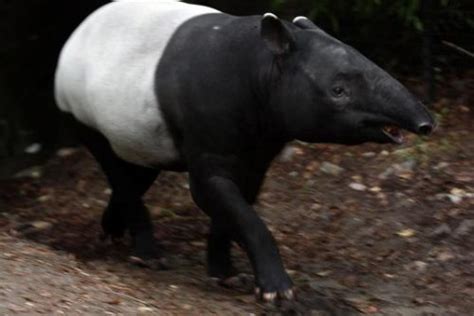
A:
[106, 76]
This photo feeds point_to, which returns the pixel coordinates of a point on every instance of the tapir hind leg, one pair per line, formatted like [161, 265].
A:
[129, 183]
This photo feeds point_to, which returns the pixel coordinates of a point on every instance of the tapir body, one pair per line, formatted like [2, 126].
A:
[106, 76]
[164, 85]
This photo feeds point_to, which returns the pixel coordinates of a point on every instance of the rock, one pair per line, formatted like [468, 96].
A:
[445, 256]
[357, 186]
[293, 174]
[33, 148]
[408, 165]
[455, 195]
[324, 273]
[441, 165]
[41, 225]
[402, 170]
[384, 153]
[456, 199]
[66, 152]
[406, 233]
[419, 266]
[316, 207]
[375, 189]
[144, 310]
[44, 198]
[387, 173]
[464, 228]
[34, 172]
[369, 154]
[442, 230]
[331, 169]
[287, 154]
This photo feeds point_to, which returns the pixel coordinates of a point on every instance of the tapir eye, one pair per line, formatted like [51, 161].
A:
[338, 91]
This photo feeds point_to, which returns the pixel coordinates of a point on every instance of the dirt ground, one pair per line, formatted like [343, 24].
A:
[382, 230]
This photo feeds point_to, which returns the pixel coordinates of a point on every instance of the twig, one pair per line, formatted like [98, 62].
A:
[458, 48]
[123, 295]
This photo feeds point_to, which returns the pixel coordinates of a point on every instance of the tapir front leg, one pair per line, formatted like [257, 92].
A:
[220, 238]
[219, 263]
[221, 198]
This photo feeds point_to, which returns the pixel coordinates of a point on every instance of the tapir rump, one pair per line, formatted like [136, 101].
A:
[164, 85]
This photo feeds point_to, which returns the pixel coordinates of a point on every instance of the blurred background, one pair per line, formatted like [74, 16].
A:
[427, 41]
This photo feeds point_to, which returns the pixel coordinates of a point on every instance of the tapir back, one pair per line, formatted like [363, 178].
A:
[105, 75]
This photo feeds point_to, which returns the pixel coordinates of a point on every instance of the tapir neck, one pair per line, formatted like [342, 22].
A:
[215, 70]
[256, 68]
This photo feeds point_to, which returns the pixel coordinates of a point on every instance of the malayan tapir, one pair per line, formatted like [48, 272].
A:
[164, 85]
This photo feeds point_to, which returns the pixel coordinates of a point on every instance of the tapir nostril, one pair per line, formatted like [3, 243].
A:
[425, 129]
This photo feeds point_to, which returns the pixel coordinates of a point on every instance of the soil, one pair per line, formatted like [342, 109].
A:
[391, 233]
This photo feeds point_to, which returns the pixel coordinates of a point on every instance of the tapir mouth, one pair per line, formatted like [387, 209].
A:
[394, 133]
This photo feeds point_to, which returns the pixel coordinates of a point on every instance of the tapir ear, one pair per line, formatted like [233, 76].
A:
[276, 35]
[304, 23]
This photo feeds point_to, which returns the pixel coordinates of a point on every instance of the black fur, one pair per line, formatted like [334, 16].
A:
[233, 91]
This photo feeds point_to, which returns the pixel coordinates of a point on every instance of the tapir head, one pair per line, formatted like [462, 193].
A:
[325, 91]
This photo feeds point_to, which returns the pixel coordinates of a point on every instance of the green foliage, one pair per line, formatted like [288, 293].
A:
[389, 32]
[406, 12]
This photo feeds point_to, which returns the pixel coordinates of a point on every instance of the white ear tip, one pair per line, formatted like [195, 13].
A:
[299, 18]
[270, 15]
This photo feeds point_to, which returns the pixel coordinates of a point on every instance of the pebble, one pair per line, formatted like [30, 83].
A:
[387, 173]
[456, 199]
[66, 152]
[34, 172]
[145, 309]
[441, 165]
[287, 154]
[42, 225]
[357, 186]
[464, 228]
[44, 198]
[33, 148]
[293, 174]
[402, 170]
[375, 189]
[420, 266]
[331, 169]
[406, 233]
[445, 256]
[369, 154]
[441, 231]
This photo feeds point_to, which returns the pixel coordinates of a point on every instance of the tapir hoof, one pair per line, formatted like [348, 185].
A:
[271, 297]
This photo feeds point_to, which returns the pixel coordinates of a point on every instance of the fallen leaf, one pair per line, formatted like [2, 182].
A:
[406, 233]
[324, 273]
[114, 302]
[144, 309]
[375, 189]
